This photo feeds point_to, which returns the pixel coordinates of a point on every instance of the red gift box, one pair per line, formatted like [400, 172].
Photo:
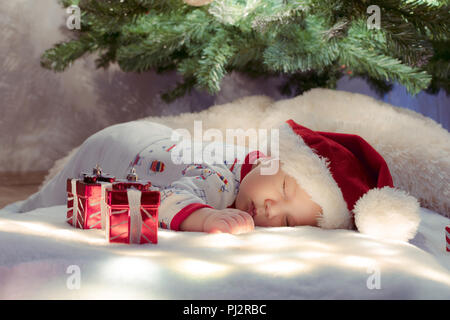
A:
[86, 204]
[447, 237]
[132, 213]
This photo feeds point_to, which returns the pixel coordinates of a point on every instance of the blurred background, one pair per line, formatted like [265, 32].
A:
[43, 114]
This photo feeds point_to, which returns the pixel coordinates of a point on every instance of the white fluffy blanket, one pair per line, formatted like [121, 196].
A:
[41, 255]
[38, 247]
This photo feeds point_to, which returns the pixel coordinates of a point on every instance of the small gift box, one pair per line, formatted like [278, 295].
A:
[86, 204]
[447, 237]
[132, 211]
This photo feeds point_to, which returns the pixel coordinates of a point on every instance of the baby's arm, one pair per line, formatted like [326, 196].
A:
[211, 220]
[188, 204]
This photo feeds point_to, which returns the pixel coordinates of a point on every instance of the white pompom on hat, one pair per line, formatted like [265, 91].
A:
[349, 179]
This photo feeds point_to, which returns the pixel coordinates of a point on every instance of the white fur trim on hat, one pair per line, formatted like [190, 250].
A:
[387, 213]
[312, 174]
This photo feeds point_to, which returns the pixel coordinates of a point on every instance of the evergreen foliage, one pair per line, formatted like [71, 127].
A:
[313, 42]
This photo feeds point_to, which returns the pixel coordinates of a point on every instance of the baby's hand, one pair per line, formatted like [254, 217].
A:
[228, 221]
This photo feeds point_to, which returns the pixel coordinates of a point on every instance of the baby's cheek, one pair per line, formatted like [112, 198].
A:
[252, 184]
[259, 222]
[240, 199]
[260, 190]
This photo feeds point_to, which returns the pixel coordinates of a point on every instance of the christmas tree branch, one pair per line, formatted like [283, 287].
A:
[364, 52]
[307, 39]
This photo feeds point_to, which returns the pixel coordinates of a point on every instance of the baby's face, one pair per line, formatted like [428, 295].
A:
[277, 200]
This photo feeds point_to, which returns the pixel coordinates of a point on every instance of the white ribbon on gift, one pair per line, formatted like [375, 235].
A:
[447, 236]
[75, 202]
[103, 205]
[134, 203]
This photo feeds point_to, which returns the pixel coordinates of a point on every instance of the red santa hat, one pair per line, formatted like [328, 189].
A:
[349, 180]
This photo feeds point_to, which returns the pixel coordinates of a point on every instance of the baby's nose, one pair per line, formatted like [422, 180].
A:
[270, 207]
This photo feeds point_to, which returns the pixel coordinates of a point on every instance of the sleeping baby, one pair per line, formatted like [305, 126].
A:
[322, 179]
[262, 200]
